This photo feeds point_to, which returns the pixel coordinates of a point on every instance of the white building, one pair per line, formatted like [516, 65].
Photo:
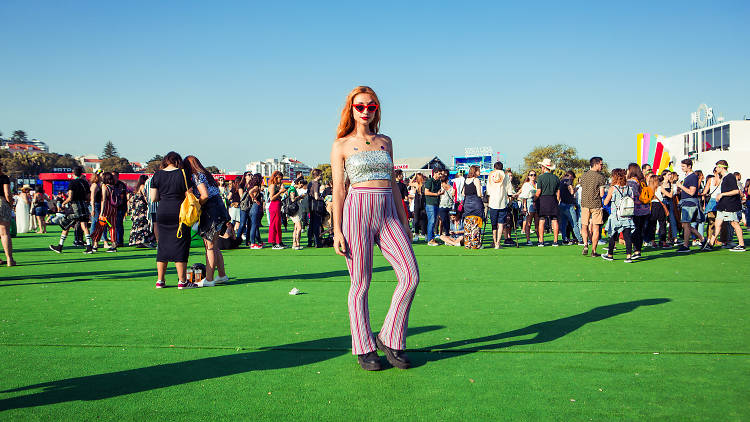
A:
[709, 143]
[90, 161]
[286, 165]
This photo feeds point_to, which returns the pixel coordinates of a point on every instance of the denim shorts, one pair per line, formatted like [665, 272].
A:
[689, 213]
[727, 216]
[498, 216]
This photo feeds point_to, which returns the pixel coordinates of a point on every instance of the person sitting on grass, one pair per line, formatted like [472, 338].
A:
[456, 234]
[621, 219]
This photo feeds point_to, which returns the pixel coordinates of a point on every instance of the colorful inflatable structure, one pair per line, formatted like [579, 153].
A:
[650, 149]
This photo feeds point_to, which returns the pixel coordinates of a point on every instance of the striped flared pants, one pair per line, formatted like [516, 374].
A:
[370, 218]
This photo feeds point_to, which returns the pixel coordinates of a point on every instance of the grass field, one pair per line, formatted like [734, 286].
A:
[516, 334]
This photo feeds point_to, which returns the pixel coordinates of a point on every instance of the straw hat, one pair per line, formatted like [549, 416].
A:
[26, 188]
[547, 163]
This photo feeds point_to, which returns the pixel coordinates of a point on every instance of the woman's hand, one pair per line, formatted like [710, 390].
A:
[339, 244]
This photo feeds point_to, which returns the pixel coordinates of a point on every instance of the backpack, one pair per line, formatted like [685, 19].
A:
[190, 209]
[114, 196]
[646, 194]
[626, 206]
[245, 203]
[289, 207]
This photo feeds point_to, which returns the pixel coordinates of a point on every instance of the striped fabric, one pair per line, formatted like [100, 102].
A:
[370, 218]
[152, 206]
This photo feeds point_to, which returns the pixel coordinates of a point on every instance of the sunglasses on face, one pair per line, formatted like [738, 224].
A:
[361, 107]
[532, 175]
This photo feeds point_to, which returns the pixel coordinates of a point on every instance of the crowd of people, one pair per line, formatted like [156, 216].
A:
[672, 212]
[633, 206]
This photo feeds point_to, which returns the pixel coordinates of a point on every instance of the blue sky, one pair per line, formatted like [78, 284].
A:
[233, 82]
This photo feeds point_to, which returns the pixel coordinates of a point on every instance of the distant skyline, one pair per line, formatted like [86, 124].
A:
[240, 82]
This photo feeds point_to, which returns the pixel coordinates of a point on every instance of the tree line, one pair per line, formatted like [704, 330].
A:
[18, 164]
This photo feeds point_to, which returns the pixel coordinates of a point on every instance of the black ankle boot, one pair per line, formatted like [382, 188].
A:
[370, 361]
[395, 357]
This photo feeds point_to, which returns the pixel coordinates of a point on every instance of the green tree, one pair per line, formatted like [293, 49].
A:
[19, 137]
[109, 151]
[213, 170]
[118, 164]
[565, 157]
[327, 176]
[66, 161]
[153, 164]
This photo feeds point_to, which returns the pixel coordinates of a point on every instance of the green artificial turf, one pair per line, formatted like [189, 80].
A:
[513, 334]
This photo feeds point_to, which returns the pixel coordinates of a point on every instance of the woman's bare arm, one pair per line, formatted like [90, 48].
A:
[339, 195]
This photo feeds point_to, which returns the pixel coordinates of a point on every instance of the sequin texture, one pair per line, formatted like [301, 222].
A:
[369, 165]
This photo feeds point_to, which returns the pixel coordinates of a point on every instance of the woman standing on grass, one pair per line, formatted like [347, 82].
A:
[619, 220]
[419, 216]
[256, 211]
[140, 234]
[40, 208]
[213, 220]
[528, 206]
[168, 188]
[23, 208]
[5, 216]
[472, 193]
[108, 214]
[96, 203]
[275, 191]
[371, 212]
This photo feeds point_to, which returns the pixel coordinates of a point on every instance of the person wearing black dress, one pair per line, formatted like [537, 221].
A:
[168, 188]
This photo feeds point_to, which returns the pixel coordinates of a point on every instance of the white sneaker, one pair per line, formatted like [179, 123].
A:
[204, 283]
[277, 247]
[221, 280]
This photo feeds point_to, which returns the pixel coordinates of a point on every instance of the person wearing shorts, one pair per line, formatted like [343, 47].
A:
[688, 190]
[78, 214]
[592, 214]
[729, 203]
[549, 198]
[498, 188]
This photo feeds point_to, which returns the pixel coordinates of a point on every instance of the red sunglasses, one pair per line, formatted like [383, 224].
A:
[361, 107]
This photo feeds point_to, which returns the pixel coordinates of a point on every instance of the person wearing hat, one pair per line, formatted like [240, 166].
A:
[548, 195]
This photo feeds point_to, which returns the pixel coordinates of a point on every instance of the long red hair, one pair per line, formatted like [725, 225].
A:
[346, 125]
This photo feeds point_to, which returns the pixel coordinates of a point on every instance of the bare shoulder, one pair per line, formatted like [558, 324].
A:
[384, 138]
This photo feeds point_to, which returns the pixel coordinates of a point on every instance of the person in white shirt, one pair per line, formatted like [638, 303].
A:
[498, 189]
[458, 185]
[528, 190]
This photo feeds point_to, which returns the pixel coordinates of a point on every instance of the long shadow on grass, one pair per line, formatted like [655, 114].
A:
[544, 331]
[87, 276]
[310, 276]
[113, 384]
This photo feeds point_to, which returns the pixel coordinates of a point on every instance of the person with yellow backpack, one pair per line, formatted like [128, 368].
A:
[642, 196]
[212, 218]
[169, 187]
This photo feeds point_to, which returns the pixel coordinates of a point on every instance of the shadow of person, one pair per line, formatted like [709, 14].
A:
[310, 276]
[543, 332]
[113, 384]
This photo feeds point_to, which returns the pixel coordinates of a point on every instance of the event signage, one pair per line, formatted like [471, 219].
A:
[702, 118]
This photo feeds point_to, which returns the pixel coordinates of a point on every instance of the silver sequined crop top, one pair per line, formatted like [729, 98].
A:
[369, 165]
